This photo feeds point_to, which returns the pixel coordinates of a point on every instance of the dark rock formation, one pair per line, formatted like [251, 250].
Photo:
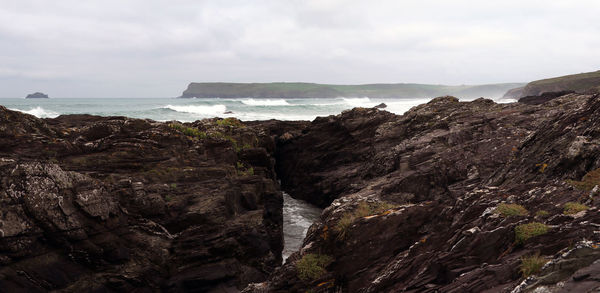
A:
[412, 201]
[449, 197]
[545, 97]
[37, 95]
[115, 204]
[381, 106]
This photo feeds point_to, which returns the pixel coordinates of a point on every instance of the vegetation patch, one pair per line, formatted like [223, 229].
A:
[343, 225]
[195, 132]
[363, 209]
[510, 209]
[588, 182]
[526, 231]
[230, 122]
[236, 145]
[228, 135]
[532, 265]
[542, 213]
[571, 208]
[312, 266]
[189, 131]
[243, 170]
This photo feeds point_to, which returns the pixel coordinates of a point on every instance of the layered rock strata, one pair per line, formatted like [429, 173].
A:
[116, 204]
[449, 197]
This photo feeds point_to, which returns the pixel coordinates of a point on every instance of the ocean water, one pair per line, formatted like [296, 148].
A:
[298, 215]
[188, 110]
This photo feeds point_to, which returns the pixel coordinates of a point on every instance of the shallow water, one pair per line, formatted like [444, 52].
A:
[298, 215]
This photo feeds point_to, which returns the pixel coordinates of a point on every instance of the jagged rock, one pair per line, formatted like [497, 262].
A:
[544, 97]
[117, 204]
[411, 201]
[381, 106]
[441, 169]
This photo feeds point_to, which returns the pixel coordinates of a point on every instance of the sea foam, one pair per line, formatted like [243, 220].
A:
[196, 109]
[358, 102]
[265, 102]
[39, 112]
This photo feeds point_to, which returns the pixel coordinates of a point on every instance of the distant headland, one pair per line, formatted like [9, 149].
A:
[588, 82]
[315, 90]
[37, 95]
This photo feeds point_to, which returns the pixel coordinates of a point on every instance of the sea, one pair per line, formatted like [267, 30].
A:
[189, 110]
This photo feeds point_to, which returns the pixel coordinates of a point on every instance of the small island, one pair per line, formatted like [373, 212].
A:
[37, 95]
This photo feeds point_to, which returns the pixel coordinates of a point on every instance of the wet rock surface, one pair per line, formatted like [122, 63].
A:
[426, 201]
[109, 204]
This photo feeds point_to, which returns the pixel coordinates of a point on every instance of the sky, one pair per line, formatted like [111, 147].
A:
[154, 48]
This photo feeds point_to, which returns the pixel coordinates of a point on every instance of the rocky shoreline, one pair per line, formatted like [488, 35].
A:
[117, 204]
[449, 197]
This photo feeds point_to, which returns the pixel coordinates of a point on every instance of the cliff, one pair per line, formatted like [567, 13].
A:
[313, 90]
[580, 83]
[449, 197]
[105, 204]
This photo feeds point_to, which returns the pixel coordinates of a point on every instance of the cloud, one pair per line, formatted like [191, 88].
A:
[154, 48]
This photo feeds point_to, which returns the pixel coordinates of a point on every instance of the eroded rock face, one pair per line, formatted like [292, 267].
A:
[545, 97]
[117, 204]
[412, 200]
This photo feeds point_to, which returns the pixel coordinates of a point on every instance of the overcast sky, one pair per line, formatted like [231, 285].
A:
[152, 48]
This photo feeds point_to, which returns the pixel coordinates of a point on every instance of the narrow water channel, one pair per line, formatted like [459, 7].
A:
[298, 215]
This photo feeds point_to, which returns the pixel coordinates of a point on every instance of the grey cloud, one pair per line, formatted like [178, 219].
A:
[154, 48]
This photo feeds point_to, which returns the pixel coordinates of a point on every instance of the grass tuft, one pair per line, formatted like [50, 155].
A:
[243, 170]
[532, 265]
[189, 131]
[526, 231]
[571, 208]
[312, 266]
[363, 209]
[508, 210]
[588, 182]
[230, 122]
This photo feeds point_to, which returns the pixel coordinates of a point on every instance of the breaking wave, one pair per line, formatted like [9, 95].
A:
[39, 112]
[358, 102]
[265, 102]
[202, 110]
